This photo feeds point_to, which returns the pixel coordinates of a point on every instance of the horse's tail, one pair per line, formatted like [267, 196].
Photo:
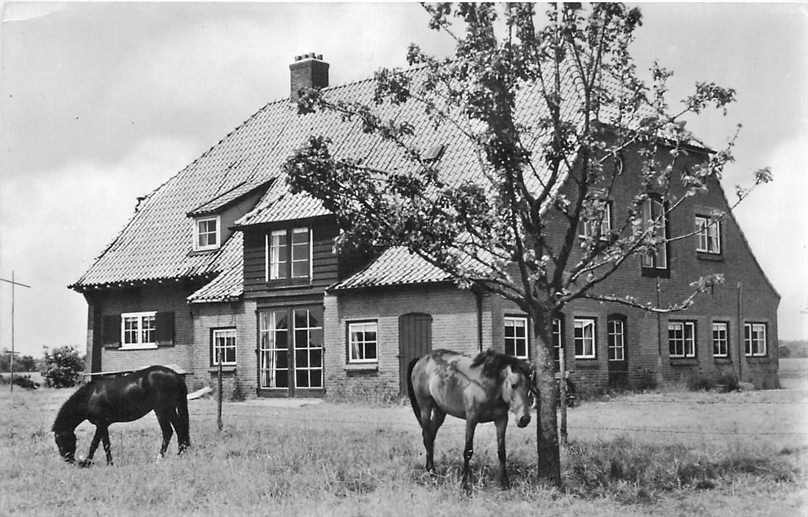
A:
[184, 432]
[411, 392]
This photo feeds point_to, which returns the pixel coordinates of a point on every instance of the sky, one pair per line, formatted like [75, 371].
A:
[102, 102]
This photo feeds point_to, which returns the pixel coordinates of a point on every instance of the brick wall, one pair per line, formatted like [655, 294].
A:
[162, 299]
[239, 315]
[454, 326]
[746, 291]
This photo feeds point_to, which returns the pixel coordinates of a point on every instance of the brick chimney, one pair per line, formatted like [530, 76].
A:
[308, 71]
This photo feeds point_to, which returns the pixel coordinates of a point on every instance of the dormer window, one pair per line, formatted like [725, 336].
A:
[207, 233]
[289, 254]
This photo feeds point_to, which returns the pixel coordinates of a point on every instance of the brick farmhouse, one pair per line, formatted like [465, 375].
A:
[223, 263]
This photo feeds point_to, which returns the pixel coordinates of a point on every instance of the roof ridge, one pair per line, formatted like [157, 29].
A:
[407, 70]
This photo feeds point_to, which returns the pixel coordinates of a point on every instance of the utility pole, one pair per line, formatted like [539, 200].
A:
[11, 361]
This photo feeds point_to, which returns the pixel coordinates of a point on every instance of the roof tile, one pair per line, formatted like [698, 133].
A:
[157, 243]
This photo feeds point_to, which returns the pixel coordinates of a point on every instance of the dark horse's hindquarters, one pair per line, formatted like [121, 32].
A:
[123, 399]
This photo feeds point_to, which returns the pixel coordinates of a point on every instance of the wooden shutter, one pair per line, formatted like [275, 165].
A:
[165, 328]
[111, 331]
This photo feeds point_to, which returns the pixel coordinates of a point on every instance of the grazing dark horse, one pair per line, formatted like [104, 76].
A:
[478, 390]
[123, 399]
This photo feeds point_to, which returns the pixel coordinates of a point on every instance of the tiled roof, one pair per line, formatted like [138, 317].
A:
[229, 285]
[278, 204]
[156, 244]
[229, 197]
[395, 266]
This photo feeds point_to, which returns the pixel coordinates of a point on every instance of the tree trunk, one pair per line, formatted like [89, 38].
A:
[549, 461]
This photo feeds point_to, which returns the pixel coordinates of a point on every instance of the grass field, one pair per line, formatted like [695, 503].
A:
[793, 372]
[659, 453]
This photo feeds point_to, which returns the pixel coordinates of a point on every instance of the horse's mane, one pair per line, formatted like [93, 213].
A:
[494, 362]
[68, 413]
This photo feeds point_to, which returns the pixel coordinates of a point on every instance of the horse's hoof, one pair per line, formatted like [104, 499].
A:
[84, 463]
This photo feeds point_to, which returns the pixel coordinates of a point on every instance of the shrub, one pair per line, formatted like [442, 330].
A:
[63, 367]
[646, 380]
[700, 383]
[729, 380]
[25, 381]
[237, 395]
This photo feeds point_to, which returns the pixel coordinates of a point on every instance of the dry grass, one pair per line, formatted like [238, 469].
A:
[348, 459]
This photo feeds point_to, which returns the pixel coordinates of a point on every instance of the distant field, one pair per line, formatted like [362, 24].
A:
[347, 459]
[794, 372]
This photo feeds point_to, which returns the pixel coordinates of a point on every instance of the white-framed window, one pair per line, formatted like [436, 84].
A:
[584, 338]
[289, 254]
[223, 347]
[363, 344]
[516, 343]
[682, 339]
[655, 221]
[616, 330]
[207, 233]
[708, 235]
[278, 253]
[720, 339]
[754, 339]
[138, 330]
[301, 253]
[603, 214]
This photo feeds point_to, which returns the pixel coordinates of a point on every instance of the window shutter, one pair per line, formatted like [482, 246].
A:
[111, 331]
[165, 328]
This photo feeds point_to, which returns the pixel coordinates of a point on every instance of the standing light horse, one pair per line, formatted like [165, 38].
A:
[482, 389]
[123, 399]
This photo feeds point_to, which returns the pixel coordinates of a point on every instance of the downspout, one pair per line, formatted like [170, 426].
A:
[659, 377]
[740, 331]
[479, 297]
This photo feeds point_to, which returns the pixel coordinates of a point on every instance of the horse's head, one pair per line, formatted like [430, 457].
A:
[516, 393]
[66, 442]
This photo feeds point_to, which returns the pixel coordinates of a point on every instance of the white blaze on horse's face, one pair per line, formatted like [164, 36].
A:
[516, 393]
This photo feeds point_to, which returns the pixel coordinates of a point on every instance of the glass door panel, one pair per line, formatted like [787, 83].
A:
[273, 349]
[308, 348]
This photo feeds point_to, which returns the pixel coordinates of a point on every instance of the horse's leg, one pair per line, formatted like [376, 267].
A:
[164, 419]
[468, 450]
[107, 446]
[176, 421]
[93, 446]
[428, 436]
[502, 424]
[434, 423]
[183, 433]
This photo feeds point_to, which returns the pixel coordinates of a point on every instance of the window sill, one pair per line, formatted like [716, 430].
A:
[145, 346]
[225, 369]
[590, 363]
[722, 360]
[684, 361]
[652, 272]
[757, 358]
[289, 283]
[205, 251]
[704, 255]
[362, 367]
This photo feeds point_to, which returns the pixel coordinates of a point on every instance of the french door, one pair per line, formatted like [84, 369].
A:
[290, 351]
